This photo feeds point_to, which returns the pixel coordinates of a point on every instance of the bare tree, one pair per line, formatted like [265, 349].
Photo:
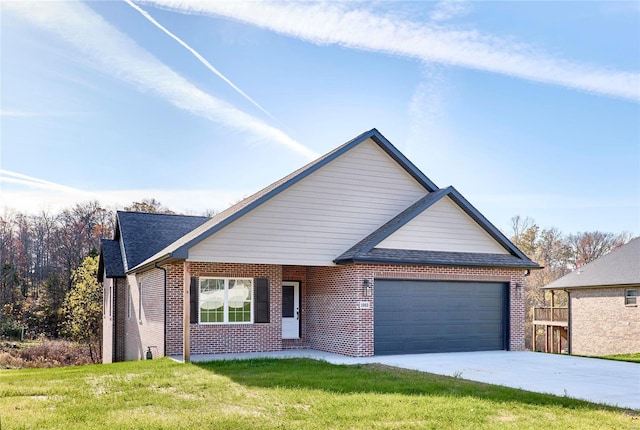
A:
[558, 255]
[148, 205]
[589, 246]
[44, 227]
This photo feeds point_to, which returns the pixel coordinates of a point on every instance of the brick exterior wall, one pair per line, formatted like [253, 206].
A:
[127, 337]
[331, 317]
[144, 327]
[337, 324]
[601, 324]
[222, 338]
[119, 307]
[174, 309]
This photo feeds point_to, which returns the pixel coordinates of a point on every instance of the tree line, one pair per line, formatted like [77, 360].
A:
[559, 254]
[48, 264]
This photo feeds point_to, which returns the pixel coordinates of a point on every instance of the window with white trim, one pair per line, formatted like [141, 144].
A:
[225, 300]
[631, 297]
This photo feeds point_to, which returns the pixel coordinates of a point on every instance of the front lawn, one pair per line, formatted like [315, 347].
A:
[283, 394]
[634, 358]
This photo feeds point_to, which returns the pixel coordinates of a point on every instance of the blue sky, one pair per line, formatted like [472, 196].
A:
[527, 108]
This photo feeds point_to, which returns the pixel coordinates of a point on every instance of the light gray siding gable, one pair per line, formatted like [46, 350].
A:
[318, 218]
[443, 227]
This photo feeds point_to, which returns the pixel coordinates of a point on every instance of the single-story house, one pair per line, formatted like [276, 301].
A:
[357, 253]
[603, 312]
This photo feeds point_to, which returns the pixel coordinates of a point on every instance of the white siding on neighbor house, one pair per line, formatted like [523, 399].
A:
[443, 227]
[320, 217]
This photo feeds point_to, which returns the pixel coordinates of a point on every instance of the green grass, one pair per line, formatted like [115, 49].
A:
[278, 394]
[634, 358]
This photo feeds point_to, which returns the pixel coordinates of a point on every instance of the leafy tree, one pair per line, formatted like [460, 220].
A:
[38, 254]
[83, 308]
[50, 301]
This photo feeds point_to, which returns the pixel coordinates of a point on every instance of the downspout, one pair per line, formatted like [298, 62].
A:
[568, 320]
[164, 352]
[526, 274]
[114, 321]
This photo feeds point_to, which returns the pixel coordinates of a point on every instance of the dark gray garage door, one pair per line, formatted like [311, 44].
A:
[435, 316]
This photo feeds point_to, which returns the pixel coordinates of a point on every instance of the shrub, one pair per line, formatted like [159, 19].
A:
[11, 329]
[48, 353]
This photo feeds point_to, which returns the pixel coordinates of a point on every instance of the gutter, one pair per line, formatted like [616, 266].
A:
[164, 352]
[359, 260]
[149, 265]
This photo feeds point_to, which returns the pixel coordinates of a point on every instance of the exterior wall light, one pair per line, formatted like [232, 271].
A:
[366, 288]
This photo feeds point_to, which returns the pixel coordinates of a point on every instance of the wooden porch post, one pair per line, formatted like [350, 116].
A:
[186, 308]
[534, 338]
[546, 338]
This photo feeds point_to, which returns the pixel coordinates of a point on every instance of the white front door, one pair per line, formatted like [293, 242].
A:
[290, 310]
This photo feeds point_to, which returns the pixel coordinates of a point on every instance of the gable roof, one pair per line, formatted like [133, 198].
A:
[365, 250]
[110, 261]
[619, 267]
[179, 249]
[143, 234]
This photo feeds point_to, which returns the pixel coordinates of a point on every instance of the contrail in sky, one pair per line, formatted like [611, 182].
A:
[198, 56]
[113, 53]
[19, 178]
[354, 25]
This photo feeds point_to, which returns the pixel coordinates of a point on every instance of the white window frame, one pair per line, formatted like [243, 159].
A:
[226, 300]
[628, 297]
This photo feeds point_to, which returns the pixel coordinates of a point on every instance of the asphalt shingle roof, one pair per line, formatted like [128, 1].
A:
[147, 241]
[439, 258]
[110, 262]
[144, 234]
[619, 267]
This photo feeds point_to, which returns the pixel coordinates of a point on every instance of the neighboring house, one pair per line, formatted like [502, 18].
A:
[603, 317]
[357, 253]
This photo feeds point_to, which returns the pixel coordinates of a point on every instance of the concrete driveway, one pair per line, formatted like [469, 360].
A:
[600, 381]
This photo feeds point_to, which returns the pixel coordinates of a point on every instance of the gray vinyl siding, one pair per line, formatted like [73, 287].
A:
[443, 227]
[321, 216]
